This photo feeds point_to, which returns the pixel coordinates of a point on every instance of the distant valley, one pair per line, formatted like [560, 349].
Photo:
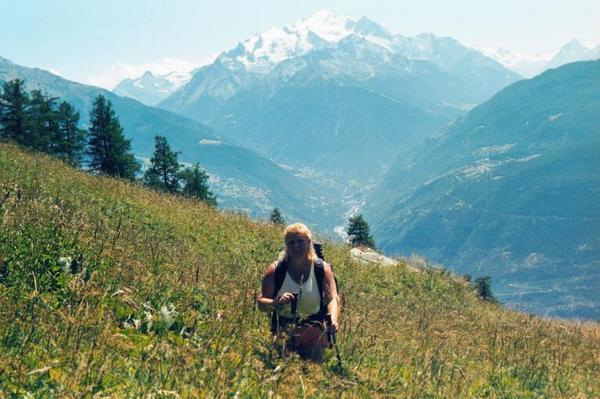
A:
[511, 190]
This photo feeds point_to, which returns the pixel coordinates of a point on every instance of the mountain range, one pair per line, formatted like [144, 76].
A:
[264, 51]
[336, 95]
[510, 190]
[532, 65]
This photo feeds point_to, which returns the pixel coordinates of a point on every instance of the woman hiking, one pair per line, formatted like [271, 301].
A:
[300, 290]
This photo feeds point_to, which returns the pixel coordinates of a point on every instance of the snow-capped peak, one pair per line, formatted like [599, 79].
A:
[263, 51]
[170, 81]
[178, 78]
[531, 64]
[574, 44]
[326, 25]
[151, 88]
[510, 58]
[526, 64]
[573, 51]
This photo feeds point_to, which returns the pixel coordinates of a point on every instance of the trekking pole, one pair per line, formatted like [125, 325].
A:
[332, 339]
[295, 310]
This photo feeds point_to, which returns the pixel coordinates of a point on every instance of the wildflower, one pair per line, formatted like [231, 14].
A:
[148, 320]
[168, 314]
[65, 262]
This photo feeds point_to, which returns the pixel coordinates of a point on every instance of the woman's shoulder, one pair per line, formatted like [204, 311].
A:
[327, 268]
[324, 264]
[270, 269]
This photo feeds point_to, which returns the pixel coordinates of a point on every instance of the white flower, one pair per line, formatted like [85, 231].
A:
[168, 314]
[65, 261]
[148, 320]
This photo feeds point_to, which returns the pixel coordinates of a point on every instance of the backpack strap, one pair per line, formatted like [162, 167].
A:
[280, 270]
[320, 276]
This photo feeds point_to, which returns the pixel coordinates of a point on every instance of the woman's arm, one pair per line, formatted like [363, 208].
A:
[333, 306]
[266, 300]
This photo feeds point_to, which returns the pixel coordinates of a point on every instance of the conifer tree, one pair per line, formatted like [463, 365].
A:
[14, 101]
[108, 147]
[358, 232]
[70, 140]
[484, 288]
[42, 121]
[276, 217]
[195, 185]
[163, 174]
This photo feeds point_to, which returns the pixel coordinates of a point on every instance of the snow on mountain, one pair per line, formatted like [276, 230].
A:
[150, 89]
[326, 25]
[178, 79]
[530, 65]
[573, 51]
[261, 52]
[527, 65]
[259, 55]
[326, 46]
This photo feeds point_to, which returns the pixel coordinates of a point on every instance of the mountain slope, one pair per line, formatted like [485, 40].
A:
[355, 135]
[242, 179]
[511, 190]
[111, 290]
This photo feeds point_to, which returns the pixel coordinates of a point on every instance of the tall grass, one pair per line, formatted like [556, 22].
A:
[108, 289]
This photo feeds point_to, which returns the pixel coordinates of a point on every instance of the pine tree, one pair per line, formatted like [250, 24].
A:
[163, 174]
[358, 232]
[14, 101]
[195, 185]
[484, 288]
[42, 121]
[108, 147]
[70, 140]
[276, 217]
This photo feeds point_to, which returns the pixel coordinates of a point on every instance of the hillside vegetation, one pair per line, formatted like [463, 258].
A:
[110, 290]
[241, 178]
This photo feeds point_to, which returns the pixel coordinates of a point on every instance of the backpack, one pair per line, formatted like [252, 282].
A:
[281, 270]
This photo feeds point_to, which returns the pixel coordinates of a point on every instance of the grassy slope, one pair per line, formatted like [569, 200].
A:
[404, 334]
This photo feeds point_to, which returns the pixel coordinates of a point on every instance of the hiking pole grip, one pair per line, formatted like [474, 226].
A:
[332, 338]
[295, 309]
[328, 323]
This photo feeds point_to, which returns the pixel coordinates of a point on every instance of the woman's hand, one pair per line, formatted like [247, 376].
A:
[282, 299]
[334, 326]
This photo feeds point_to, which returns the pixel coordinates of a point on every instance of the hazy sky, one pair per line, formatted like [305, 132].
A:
[103, 41]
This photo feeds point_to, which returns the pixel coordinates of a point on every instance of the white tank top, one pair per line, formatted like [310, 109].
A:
[309, 299]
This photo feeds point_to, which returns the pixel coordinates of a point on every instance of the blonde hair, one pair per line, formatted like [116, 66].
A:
[301, 229]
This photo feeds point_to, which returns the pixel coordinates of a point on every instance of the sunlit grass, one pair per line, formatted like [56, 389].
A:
[158, 301]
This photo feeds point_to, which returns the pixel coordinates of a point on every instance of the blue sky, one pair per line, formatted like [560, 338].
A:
[101, 42]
